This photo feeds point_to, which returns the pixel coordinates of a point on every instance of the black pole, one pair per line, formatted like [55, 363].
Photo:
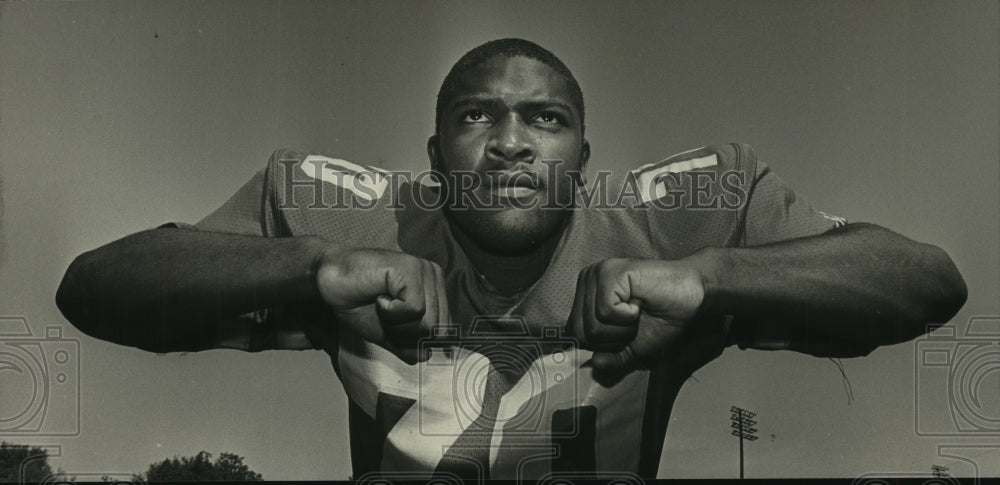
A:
[741, 443]
[743, 423]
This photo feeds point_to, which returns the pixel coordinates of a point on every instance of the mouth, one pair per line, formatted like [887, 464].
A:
[514, 192]
[514, 184]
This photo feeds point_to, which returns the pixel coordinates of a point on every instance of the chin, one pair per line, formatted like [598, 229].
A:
[510, 232]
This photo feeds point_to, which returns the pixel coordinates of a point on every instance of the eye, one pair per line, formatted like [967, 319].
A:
[476, 116]
[548, 118]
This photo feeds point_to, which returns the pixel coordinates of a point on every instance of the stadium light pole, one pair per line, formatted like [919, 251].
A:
[743, 428]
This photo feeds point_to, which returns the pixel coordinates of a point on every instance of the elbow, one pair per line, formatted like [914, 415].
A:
[74, 300]
[949, 292]
[941, 299]
[937, 288]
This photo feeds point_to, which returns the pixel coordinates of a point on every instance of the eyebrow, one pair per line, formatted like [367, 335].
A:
[531, 105]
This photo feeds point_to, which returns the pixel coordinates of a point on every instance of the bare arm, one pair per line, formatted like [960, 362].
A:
[856, 287]
[842, 293]
[165, 289]
[169, 290]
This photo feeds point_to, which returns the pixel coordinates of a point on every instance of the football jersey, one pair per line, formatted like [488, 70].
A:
[512, 396]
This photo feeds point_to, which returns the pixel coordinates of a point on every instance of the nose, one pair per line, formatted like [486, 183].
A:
[510, 142]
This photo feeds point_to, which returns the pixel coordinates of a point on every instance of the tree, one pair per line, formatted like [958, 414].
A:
[23, 463]
[200, 467]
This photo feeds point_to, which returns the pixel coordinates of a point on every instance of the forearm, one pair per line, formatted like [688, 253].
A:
[861, 285]
[165, 289]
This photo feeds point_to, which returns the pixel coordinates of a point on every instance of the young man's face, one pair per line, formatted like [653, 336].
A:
[510, 118]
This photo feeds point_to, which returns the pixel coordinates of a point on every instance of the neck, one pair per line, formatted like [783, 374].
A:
[509, 274]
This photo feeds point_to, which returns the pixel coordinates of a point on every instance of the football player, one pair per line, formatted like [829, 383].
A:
[503, 318]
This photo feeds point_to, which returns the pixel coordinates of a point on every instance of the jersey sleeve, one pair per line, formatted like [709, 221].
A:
[250, 212]
[242, 213]
[776, 213]
[723, 196]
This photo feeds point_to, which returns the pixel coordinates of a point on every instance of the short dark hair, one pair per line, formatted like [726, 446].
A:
[506, 48]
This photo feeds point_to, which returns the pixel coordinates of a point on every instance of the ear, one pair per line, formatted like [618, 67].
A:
[434, 152]
[584, 158]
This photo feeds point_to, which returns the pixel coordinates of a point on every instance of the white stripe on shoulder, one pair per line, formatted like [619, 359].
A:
[665, 160]
[365, 182]
[648, 176]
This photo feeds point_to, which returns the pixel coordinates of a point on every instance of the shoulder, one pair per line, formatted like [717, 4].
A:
[321, 166]
[728, 156]
[350, 203]
[673, 207]
[731, 166]
[295, 169]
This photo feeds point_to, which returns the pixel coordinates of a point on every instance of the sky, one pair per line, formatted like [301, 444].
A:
[119, 116]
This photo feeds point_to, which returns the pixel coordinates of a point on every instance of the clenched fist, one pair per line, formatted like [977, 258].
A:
[389, 298]
[634, 311]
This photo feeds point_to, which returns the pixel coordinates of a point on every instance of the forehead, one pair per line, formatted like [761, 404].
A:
[511, 79]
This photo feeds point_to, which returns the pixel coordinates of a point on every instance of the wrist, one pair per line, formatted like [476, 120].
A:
[710, 263]
[713, 265]
[323, 254]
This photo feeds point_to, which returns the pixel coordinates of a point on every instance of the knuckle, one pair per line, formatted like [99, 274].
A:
[426, 329]
[404, 312]
[610, 335]
[611, 264]
[604, 311]
[594, 333]
[403, 259]
[418, 307]
[610, 271]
